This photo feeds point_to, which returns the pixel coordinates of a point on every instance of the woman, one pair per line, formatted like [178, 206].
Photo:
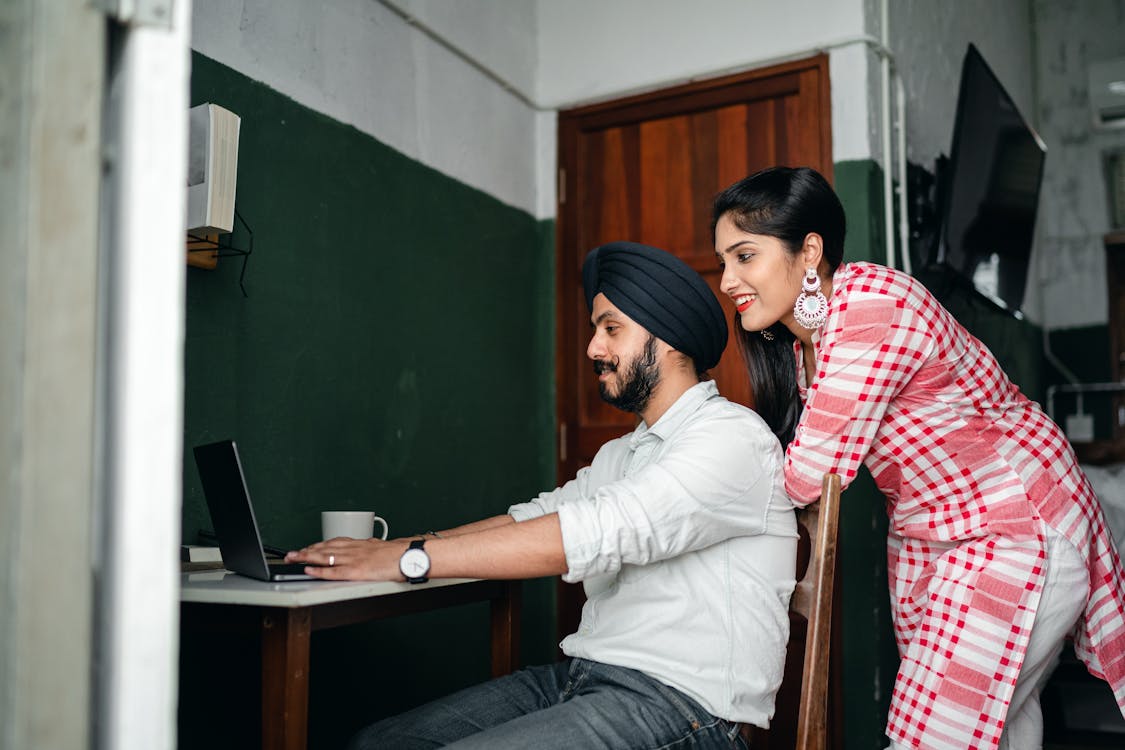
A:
[997, 548]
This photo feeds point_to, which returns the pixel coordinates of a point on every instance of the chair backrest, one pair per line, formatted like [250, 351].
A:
[812, 598]
[801, 717]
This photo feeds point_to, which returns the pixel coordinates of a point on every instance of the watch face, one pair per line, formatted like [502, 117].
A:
[414, 563]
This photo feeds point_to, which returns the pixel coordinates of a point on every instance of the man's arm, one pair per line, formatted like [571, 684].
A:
[475, 526]
[500, 549]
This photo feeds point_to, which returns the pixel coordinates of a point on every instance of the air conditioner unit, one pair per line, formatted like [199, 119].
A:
[1107, 92]
[212, 169]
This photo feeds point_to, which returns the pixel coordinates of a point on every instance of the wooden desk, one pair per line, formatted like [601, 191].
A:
[286, 614]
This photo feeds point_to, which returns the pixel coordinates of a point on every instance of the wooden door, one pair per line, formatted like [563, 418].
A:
[646, 169]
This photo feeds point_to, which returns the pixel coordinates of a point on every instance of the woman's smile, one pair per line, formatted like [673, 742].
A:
[742, 302]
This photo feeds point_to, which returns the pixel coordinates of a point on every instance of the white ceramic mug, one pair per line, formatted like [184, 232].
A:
[356, 524]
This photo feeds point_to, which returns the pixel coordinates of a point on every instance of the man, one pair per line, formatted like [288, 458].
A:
[680, 531]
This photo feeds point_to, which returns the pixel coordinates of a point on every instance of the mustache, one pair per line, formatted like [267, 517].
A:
[605, 365]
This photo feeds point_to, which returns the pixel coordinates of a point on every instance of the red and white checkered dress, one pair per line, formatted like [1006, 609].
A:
[972, 470]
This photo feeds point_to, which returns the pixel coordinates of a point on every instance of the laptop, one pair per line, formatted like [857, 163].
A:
[228, 501]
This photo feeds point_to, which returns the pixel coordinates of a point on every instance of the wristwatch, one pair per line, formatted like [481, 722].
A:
[415, 563]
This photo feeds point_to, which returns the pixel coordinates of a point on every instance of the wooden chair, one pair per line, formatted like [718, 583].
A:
[800, 720]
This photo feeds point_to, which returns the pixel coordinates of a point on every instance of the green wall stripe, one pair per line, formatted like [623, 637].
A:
[395, 353]
[869, 658]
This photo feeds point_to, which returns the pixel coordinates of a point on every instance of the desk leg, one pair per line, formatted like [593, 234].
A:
[505, 611]
[285, 677]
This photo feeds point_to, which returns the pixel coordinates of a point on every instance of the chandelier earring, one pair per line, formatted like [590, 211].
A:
[767, 334]
[811, 309]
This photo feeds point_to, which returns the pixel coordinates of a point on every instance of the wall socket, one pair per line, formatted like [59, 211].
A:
[1080, 428]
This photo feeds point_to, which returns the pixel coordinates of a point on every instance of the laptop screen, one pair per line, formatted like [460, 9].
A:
[228, 500]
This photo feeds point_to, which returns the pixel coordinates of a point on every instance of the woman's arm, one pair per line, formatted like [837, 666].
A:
[872, 349]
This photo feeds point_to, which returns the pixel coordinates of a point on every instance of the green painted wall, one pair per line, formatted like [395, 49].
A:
[394, 353]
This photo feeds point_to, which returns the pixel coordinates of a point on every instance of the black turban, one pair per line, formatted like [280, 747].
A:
[662, 293]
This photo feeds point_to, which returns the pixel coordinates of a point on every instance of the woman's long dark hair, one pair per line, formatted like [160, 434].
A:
[773, 379]
[788, 204]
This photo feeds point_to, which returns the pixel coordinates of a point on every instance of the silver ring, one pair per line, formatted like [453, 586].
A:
[331, 561]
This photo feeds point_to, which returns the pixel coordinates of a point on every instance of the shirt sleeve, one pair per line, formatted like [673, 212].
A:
[870, 351]
[548, 502]
[711, 483]
[607, 461]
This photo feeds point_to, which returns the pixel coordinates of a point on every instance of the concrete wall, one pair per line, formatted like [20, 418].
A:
[1073, 210]
[1040, 51]
[929, 40]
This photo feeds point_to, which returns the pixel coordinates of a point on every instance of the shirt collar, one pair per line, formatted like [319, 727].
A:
[670, 421]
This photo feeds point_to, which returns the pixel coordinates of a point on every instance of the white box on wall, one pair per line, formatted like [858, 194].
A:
[212, 168]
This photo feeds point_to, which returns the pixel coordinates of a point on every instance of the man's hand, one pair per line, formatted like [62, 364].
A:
[343, 559]
[497, 548]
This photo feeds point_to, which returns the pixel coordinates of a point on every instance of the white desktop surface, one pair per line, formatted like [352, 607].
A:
[224, 587]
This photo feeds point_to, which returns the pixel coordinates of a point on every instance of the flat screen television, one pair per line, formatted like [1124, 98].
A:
[991, 190]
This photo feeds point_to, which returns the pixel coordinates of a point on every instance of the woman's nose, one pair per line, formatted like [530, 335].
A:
[728, 281]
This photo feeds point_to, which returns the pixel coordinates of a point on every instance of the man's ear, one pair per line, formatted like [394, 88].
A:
[681, 360]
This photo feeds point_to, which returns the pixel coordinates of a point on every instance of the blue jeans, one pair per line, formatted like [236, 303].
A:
[573, 705]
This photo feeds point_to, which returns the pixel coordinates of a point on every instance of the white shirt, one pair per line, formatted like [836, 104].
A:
[685, 541]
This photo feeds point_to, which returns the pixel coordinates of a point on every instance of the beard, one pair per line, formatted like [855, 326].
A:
[638, 379]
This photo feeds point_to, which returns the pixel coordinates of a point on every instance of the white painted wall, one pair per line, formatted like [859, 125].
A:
[360, 63]
[592, 50]
[1074, 209]
[498, 33]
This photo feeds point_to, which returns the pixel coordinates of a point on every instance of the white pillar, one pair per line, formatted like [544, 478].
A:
[142, 319]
